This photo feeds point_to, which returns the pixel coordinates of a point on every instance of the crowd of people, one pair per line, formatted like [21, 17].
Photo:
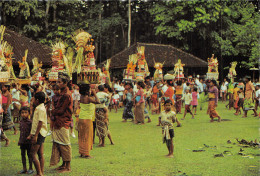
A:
[86, 108]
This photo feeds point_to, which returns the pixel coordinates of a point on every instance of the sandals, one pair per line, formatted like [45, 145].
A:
[22, 172]
[30, 171]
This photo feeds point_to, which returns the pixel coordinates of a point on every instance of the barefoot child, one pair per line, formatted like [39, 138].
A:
[25, 145]
[187, 99]
[115, 100]
[168, 117]
[194, 102]
[38, 132]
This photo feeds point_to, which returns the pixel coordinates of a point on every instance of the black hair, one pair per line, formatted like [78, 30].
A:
[170, 82]
[25, 87]
[214, 82]
[56, 86]
[107, 86]
[101, 88]
[195, 89]
[187, 84]
[24, 108]
[40, 96]
[130, 84]
[179, 82]
[84, 89]
[14, 85]
[141, 84]
[7, 86]
[168, 101]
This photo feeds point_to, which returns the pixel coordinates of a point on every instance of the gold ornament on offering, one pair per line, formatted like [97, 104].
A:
[232, 71]
[158, 74]
[178, 69]
[82, 38]
[212, 64]
[25, 70]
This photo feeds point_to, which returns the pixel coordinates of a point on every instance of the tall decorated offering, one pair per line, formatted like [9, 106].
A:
[24, 67]
[232, 71]
[158, 74]
[60, 62]
[142, 67]
[129, 72]
[4, 73]
[212, 68]
[178, 69]
[36, 71]
[85, 60]
[105, 75]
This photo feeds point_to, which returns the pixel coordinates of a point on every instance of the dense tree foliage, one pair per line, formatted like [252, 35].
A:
[230, 29]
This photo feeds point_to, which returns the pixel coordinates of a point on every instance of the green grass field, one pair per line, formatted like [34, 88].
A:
[139, 150]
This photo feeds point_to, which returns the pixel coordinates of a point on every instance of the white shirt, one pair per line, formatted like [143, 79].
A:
[135, 89]
[76, 95]
[164, 88]
[103, 97]
[187, 98]
[16, 94]
[116, 97]
[40, 115]
[223, 88]
[257, 94]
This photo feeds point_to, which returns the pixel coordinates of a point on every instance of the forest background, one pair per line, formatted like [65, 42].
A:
[229, 29]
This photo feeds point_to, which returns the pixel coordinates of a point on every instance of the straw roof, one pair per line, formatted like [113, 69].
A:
[160, 53]
[35, 49]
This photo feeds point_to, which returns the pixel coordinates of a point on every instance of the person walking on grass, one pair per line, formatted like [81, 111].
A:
[187, 98]
[168, 117]
[139, 104]
[7, 122]
[194, 102]
[213, 101]
[102, 120]
[38, 132]
[25, 145]
[128, 95]
[2, 134]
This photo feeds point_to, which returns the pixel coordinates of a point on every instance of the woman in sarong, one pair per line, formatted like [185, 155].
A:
[178, 95]
[213, 101]
[140, 104]
[154, 99]
[2, 134]
[102, 120]
[128, 95]
[16, 105]
[85, 125]
[6, 101]
[170, 93]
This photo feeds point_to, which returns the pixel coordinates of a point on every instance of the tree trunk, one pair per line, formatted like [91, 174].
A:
[129, 23]
[96, 51]
[54, 11]
[123, 33]
[46, 15]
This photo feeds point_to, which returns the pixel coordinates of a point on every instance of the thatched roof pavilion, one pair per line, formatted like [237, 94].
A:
[35, 49]
[160, 53]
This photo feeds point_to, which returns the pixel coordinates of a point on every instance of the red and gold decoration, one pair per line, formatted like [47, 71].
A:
[158, 74]
[129, 72]
[212, 68]
[85, 65]
[142, 67]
